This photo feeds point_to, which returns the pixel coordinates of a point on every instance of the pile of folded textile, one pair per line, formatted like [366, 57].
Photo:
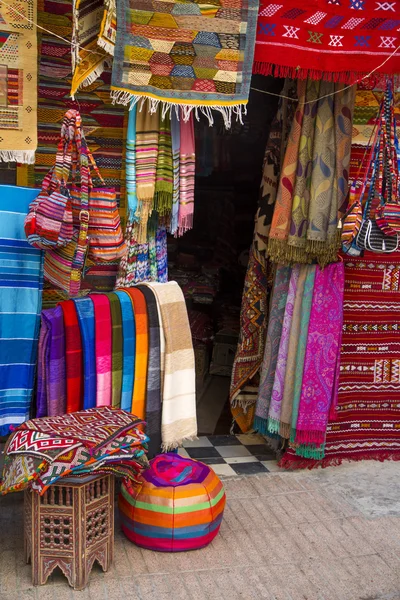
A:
[99, 441]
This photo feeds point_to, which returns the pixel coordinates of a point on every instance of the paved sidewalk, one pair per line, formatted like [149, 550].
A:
[330, 534]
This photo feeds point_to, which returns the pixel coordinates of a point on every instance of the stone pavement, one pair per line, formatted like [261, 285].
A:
[330, 534]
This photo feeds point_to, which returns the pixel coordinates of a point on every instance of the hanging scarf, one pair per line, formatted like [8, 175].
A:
[275, 323]
[138, 406]
[274, 414]
[153, 391]
[344, 110]
[187, 160]
[130, 162]
[302, 343]
[85, 310]
[176, 148]
[295, 333]
[147, 134]
[103, 345]
[162, 255]
[283, 205]
[297, 237]
[179, 388]
[73, 357]
[43, 359]
[129, 349]
[164, 173]
[53, 320]
[321, 366]
[321, 232]
[117, 349]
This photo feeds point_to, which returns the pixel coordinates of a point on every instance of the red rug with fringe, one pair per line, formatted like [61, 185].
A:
[336, 40]
[367, 424]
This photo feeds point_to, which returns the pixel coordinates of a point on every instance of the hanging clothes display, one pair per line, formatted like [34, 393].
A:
[20, 305]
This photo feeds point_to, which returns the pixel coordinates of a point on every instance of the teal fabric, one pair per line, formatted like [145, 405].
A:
[85, 310]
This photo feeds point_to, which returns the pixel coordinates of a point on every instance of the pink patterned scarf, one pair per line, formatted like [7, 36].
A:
[186, 175]
[103, 345]
[274, 415]
[322, 360]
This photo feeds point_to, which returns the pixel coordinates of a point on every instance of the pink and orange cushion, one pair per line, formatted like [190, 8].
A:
[177, 505]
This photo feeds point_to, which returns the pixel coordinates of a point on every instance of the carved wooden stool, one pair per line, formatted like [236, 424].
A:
[70, 527]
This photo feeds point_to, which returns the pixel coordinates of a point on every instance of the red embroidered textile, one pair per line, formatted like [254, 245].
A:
[367, 423]
[336, 40]
[73, 357]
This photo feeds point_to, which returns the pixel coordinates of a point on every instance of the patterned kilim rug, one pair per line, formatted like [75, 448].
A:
[337, 40]
[186, 53]
[18, 81]
[367, 425]
[103, 124]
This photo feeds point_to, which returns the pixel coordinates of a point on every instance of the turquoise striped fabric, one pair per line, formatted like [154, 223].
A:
[85, 310]
[130, 158]
[129, 349]
[21, 284]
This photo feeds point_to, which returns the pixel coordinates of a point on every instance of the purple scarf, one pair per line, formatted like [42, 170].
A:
[321, 366]
[53, 397]
[274, 415]
[274, 331]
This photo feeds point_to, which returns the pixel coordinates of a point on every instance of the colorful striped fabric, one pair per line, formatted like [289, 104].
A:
[21, 283]
[85, 310]
[130, 159]
[54, 356]
[177, 505]
[103, 344]
[138, 407]
[117, 349]
[146, 166]
[186, 175]
[73, 357]
[129, 349]
[176, 147]
[164, 173]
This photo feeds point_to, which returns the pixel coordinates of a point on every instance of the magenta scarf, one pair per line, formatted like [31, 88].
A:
[187, 163]
[274, 415]
[322, 360]
[103, 346]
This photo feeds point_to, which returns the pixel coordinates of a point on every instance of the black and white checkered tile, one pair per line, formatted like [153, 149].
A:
[232, 455]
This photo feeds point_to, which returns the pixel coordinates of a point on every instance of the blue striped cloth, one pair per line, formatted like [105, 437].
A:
[21, 284]
[130, 162]
[129, 349]
[85, 310]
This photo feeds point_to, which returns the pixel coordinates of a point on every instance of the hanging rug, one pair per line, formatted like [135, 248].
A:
[195, 55]
[18, 82]
[336, 40]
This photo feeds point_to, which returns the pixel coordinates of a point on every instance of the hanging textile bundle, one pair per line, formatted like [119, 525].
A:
[314, 179]
[299, 379]
[179, 55]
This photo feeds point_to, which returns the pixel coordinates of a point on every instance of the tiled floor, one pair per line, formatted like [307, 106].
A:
[231, 455]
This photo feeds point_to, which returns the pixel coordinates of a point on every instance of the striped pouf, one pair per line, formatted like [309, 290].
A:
[176, 505]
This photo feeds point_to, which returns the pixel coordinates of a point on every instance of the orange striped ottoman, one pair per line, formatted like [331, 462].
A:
[177, 505]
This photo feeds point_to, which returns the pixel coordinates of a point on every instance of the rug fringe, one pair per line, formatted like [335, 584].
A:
[293, 462]
[263, 68]
[168, 446]
[181, 110]
[26, 157]
[107, 46]
[93, 76]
